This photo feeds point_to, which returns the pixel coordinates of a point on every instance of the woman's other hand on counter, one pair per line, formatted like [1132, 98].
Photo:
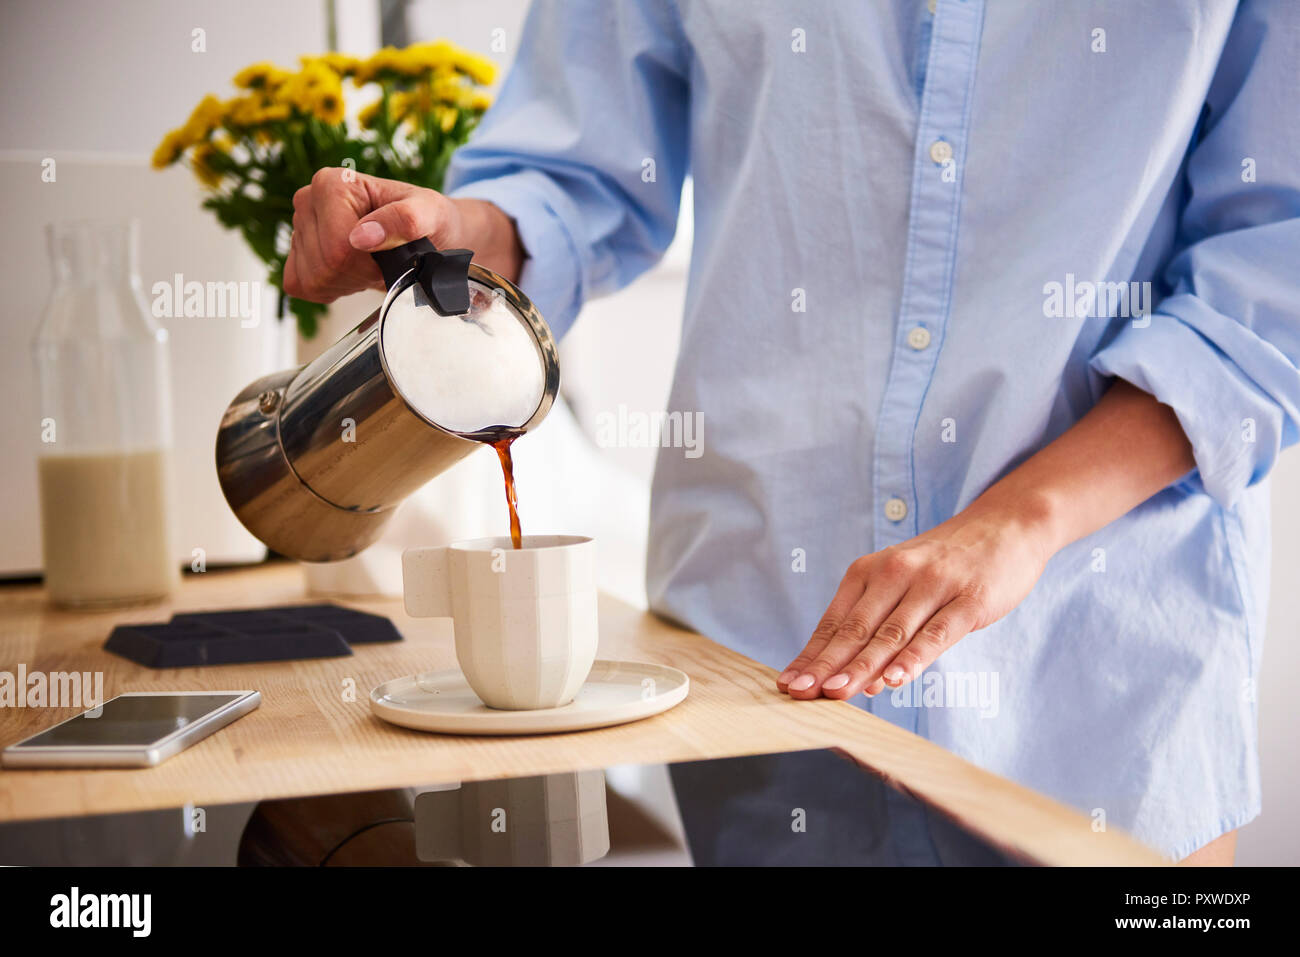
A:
[898, 609]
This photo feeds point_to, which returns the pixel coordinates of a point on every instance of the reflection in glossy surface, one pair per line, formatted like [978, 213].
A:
[814, 808]
[802, 808]
[553, 820]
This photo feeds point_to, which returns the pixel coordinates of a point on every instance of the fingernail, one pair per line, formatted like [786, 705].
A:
[834, 684]
[893, 674]
[802, 683]
[787, 676]
[366, 235]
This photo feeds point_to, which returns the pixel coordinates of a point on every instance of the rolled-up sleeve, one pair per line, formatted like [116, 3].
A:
[1222, 349]
[585, 148]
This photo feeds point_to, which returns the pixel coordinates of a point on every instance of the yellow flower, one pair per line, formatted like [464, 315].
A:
[440, 101]
[253, 75]
[235, 111]
[303, 90]
[385, 60]
[402, 107]
[255, 110]
[206, 117]
[478, 68]
[272, 112]
[427, 101]
[441, 56]
[327, 104]
[244, 110]
[448, 89]
[199, 162]
[169, 150]
[294, 93]
[340, 63]
[454, 91]
[260, 76]
[437, 56]
[369, 114]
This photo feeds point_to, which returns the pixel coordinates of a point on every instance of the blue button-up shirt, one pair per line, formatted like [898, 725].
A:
[924, 245]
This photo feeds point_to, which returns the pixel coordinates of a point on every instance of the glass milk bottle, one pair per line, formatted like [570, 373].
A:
[105, 425]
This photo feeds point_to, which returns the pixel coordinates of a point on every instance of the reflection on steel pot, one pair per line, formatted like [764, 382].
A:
[315, 460]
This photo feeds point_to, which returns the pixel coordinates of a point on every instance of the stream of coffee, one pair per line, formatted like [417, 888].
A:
[508, 471]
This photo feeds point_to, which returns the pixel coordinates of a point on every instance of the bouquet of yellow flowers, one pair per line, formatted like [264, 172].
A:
[254, 151]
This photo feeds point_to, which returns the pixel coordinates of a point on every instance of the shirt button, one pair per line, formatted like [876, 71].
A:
[941, 151]
[895, 510]
[918, 338]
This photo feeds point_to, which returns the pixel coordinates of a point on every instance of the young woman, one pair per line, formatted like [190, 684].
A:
[994, 305]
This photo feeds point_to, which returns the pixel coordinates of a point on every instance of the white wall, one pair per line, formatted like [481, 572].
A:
[113, 77]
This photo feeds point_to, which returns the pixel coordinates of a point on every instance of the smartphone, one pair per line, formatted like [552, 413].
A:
[138, 729]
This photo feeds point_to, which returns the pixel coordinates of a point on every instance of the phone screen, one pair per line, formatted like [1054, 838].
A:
[131, 721]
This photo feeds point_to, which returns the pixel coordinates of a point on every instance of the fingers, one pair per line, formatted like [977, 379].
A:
[415, 216]
[397, 213]
[337, 203]
[312, 278]
[845, 674]
[846, 596]
[314, 259]
[379, 192]
[886, 581]
[909, 604]
[944, 629]
[345, 215]
[889, 663]
[305, 281]
[290, 282]
[305, 274]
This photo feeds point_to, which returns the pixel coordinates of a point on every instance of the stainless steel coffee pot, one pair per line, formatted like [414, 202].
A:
[315, 460]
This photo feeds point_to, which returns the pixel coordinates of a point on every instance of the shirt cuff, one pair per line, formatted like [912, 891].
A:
[552, 275]
[1235, 429]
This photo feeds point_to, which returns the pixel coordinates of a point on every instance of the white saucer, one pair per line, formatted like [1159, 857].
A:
[616, 692]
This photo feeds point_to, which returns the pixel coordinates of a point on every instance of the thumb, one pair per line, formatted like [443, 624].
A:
[401, 213]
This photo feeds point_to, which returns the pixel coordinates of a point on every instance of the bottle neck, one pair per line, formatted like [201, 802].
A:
[86, 253]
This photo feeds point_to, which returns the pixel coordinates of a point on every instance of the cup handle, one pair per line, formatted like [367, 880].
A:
[426, 587]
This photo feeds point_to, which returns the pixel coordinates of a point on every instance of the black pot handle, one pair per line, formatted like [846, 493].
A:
[442, 274]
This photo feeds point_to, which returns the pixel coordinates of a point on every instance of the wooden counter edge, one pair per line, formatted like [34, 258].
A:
[1014, 817]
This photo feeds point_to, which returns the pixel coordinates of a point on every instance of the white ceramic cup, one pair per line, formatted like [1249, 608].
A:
[525, 619]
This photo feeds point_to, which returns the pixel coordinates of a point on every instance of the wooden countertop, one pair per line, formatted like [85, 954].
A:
[309, 737]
